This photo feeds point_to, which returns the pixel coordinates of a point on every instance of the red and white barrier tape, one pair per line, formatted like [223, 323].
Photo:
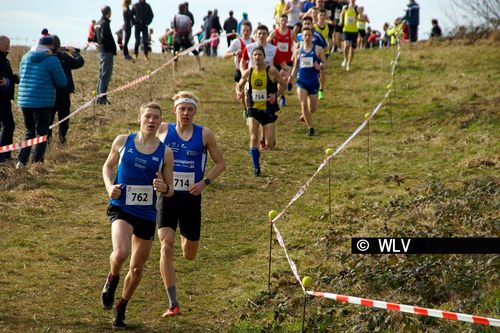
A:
[408, 309]
[24, 144]
[87, 104]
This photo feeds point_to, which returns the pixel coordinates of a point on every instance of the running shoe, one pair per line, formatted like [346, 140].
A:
[344, 63]
[283, 101]
[172, 311]
[347, 68]
[311, 132]
[119, 321]
[257, 173]
[321, 94]
[108, 295]
[290, 85]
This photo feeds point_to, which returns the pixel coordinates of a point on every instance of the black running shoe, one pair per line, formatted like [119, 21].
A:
[257, 173]
[119, 321]
[108, 295]
[311, 132]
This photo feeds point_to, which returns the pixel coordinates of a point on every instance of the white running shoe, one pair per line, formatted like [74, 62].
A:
[347, 68]
[344, 63]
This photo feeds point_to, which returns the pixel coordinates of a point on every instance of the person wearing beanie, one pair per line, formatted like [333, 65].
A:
[244, 19]
[45, 32]
[107, 50]
[40, 73]
[70, 59]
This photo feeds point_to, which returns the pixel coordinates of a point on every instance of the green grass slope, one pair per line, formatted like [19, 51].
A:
[433, 172]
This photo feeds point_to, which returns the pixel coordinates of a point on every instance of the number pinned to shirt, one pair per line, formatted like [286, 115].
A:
[139, 195]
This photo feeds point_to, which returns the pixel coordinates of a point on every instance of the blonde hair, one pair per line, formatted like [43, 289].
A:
[186, 94]
[150, 105]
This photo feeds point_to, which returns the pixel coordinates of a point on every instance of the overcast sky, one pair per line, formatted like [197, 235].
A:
[22, 20]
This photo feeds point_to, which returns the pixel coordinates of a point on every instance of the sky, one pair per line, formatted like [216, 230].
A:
[23, 20]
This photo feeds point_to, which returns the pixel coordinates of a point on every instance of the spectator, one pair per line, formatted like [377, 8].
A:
[8, 80]
[107, 50]
[183, 35]
[188, 13]
[70, 59]
[279, 8]
[40, 73]
[412, 18]
[128, 21]
[91, 35]
[214, 44]
[45, 32]
[436, 29]
[230, 26]
[206, 31]
[143, 15]
[244, 19]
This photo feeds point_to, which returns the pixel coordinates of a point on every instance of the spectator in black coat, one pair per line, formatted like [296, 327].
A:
[143, 15]
[230, 26]
[188, 13]
[8, 80]
[70, 59]
[107, 51]
[128, 21]
[436, 31]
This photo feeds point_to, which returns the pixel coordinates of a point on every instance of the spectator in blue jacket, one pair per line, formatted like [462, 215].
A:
[40, 73]
[412, 18]
[70, 59]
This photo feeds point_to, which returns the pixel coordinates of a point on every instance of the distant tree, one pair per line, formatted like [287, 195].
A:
[487, 11]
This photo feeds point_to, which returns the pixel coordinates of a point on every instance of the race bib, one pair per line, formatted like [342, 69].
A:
[259, 95]
[139, 195]
[350, 20]
[182, 180]
[306, 62]
[282, 47]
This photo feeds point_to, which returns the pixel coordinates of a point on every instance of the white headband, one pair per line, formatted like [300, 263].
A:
[184, 100]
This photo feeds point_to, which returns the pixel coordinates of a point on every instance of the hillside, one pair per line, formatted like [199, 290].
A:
[434, 171]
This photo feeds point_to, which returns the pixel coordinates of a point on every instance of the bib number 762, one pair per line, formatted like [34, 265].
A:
[139, 195]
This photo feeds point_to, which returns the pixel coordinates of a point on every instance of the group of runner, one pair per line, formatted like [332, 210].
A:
[296, 50]
[164, 162]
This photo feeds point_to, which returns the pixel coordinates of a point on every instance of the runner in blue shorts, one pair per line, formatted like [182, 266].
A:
[308, 61]
[190, 144]
[144, 167]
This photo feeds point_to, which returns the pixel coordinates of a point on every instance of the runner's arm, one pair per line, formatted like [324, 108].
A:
[109, 166]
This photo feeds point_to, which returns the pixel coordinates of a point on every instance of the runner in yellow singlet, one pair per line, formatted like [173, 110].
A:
[349, 20]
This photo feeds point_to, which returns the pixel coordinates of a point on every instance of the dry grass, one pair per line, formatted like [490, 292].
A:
[56, 243]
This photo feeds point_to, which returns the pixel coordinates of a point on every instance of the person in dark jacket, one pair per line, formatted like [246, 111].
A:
[70, 59]
[8, 80]
[40, 73]
[436, 31]
[188, 13]
[143, 15]
[107, 50]
[412, 18]
[230, 26]
[128, 21]
[206, 32]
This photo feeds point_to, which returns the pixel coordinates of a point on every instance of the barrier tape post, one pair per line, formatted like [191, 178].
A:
[328, 152]
[367, 117]
[272, 215]
[304, 313]
[150, 90]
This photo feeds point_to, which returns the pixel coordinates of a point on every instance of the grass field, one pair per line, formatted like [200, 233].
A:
[434, 171]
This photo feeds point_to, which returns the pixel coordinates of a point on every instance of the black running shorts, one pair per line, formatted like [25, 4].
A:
[181, 209]
[144, 229]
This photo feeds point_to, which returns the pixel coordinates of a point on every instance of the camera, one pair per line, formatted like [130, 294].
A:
[63, 49]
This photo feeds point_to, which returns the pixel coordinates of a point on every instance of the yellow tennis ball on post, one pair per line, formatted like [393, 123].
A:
[272, 214]
[389, 86]
[329, 151]
[94, 93]
[149, 72]
[307, 281]
[367, 115]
